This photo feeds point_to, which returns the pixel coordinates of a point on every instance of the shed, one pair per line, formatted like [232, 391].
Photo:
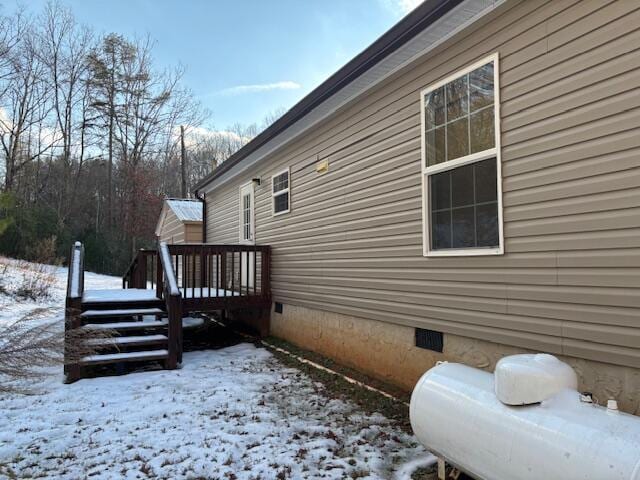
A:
[180, 221]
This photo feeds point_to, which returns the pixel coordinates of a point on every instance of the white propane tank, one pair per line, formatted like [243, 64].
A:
[456, 414]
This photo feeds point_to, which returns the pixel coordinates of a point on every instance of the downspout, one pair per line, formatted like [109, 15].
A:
[204, 214]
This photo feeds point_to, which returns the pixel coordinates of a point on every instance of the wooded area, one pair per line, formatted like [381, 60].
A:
[90, 139]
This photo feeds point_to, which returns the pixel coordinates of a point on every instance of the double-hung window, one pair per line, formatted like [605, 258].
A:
[280, 193]
[462, 194]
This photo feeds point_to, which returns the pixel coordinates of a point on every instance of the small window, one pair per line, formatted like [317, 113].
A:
[461, 163]
[280, 192]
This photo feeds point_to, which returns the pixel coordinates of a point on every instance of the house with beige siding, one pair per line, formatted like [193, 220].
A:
[465, 188]
[180, 221]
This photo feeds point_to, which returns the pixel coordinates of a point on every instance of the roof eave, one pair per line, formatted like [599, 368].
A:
[413, 23]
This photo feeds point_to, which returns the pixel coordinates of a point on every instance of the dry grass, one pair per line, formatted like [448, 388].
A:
[3, 275]
[37, 281]
[30, 344]
[44, 251]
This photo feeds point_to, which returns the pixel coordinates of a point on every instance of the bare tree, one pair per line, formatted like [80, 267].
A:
[185, 115]
[63, 49]
[24, 106]
[11, 30]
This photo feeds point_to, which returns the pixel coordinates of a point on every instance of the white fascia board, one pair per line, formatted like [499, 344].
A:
[163, 214]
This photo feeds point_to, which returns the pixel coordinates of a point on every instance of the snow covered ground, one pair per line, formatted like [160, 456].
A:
[234, 413]
[15, 273]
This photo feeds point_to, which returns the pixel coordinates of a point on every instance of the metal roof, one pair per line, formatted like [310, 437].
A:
[185, 209]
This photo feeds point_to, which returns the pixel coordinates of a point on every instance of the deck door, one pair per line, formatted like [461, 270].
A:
[247, 235]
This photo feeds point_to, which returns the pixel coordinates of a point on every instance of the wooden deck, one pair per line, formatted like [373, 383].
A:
[159, 288]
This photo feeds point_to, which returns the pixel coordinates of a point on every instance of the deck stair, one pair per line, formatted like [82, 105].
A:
[143, 356]
[146, 317]
[127, 326]
[128, 312]
[136, 318]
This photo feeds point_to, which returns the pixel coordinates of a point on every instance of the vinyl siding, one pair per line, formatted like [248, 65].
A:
[193, 232]
[172, 229]
[569, 281]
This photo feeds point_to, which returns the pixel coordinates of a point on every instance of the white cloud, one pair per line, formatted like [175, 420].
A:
[401, 7]
[4, 117]
[205, 132]
[260, 87]
[195, 135]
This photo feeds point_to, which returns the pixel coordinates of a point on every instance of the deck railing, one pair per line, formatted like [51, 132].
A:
[233, 273]
[143, 270]
[208, 275]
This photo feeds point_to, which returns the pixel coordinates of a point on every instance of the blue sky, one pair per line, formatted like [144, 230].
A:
[246, 58]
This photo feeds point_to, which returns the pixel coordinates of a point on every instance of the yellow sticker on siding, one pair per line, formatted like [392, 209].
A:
[322, 167]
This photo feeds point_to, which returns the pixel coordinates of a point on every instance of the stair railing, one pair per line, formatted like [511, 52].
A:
[73, 307]
[142, 270]
[173, 300]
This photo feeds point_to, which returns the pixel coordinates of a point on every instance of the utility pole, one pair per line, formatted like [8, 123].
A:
[183, 163]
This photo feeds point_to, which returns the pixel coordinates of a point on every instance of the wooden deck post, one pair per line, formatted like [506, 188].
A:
[174, 311]
[73, 309]
[263, 321]
[223, 270]
[265, 287]
[159, 276]
[203, 272]
[173, 302]
[142, 271]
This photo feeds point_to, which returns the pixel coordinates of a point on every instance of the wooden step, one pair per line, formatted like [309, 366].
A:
[126, 298]
[131, 341]
[125, 357]
[119, 295]
[130, 312]
[126, 325]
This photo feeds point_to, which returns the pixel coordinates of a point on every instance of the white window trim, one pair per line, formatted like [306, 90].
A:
[449, 165]
[241, 238]
[280, 192]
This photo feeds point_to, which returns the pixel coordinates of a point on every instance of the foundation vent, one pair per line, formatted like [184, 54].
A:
[429, 339]
[278, 307]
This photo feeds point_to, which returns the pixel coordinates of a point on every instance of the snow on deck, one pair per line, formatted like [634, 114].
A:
[127, 340]
[126, 325]
[122, 312]
[125, 356]
[120, 295]
[196, 292]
